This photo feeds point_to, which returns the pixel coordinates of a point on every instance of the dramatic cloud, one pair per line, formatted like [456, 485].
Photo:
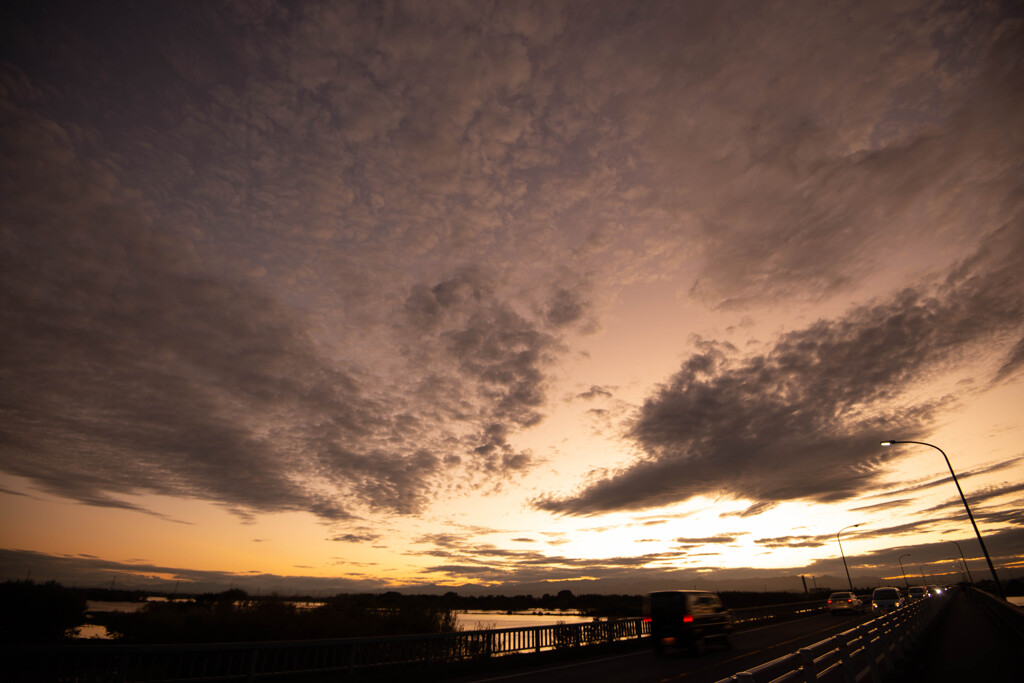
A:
[88, 570]
[392, 265]
[135, 370]
[794, 541]
[722, 538]
[364, 537]
[946, 481]
[802, 421]
[888, 505]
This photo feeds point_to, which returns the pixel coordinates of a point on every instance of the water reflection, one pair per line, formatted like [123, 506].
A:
[467, 621]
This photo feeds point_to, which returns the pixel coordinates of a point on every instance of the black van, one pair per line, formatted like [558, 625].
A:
[687, 619]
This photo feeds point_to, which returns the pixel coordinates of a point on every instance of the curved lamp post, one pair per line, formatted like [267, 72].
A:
[988, 559]
[848, 580]
[904, 571]
[964, 560]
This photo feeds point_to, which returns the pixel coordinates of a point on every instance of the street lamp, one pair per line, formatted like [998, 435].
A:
[904, 571]
[988, 559]
[848, 580]
[968, 569]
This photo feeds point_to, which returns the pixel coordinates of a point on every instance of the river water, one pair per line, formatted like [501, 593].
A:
[467, 621]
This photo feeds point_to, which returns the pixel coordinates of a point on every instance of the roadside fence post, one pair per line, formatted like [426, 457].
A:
[869, 650]
[807, 665]
[886, 637]
[845, 658]
[253, 654]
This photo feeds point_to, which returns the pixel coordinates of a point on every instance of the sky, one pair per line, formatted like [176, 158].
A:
[510, 297]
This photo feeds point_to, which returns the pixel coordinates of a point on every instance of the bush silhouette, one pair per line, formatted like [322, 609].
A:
[39, 613]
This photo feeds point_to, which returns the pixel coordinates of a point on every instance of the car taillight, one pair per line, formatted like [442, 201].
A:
[647, 620]
[687, 618]
[830, 601]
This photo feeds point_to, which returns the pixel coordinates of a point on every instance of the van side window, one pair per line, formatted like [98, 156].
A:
[703, 604]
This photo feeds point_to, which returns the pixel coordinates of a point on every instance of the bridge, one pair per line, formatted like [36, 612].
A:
[965, 635]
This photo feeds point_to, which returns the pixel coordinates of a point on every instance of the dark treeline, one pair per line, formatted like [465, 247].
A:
[113, 594]
[233, 616]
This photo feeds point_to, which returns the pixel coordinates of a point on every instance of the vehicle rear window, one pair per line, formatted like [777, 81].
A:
[887, 594]
[667, 603]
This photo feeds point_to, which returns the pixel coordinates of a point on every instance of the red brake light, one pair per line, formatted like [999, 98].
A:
[647, 620]
[830, 601]
[687, 618]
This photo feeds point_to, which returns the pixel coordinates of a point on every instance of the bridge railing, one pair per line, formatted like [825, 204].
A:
[873, 649]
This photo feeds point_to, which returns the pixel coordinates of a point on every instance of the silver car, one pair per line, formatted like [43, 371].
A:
[886, 599]
[844, 602]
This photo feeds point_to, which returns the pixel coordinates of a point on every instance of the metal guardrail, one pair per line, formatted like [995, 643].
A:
[873, 649]
[751, 615]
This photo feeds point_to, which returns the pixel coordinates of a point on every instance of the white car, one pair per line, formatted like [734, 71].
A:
[886, 599]
[844, 602]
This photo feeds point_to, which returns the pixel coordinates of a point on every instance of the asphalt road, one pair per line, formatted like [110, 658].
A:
[750, 648]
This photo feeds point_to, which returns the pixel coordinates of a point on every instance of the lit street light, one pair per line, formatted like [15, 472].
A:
[964, 560]
[848, 580]
[988, 559]
[904, 571]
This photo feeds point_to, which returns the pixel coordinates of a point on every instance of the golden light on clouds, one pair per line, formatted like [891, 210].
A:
[504, 297]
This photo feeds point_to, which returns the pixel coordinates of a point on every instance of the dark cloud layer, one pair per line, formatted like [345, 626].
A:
[129, 367]
[804, 420]
[325, 257]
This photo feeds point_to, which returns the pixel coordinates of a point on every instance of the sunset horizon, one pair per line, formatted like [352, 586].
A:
[512, 298]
